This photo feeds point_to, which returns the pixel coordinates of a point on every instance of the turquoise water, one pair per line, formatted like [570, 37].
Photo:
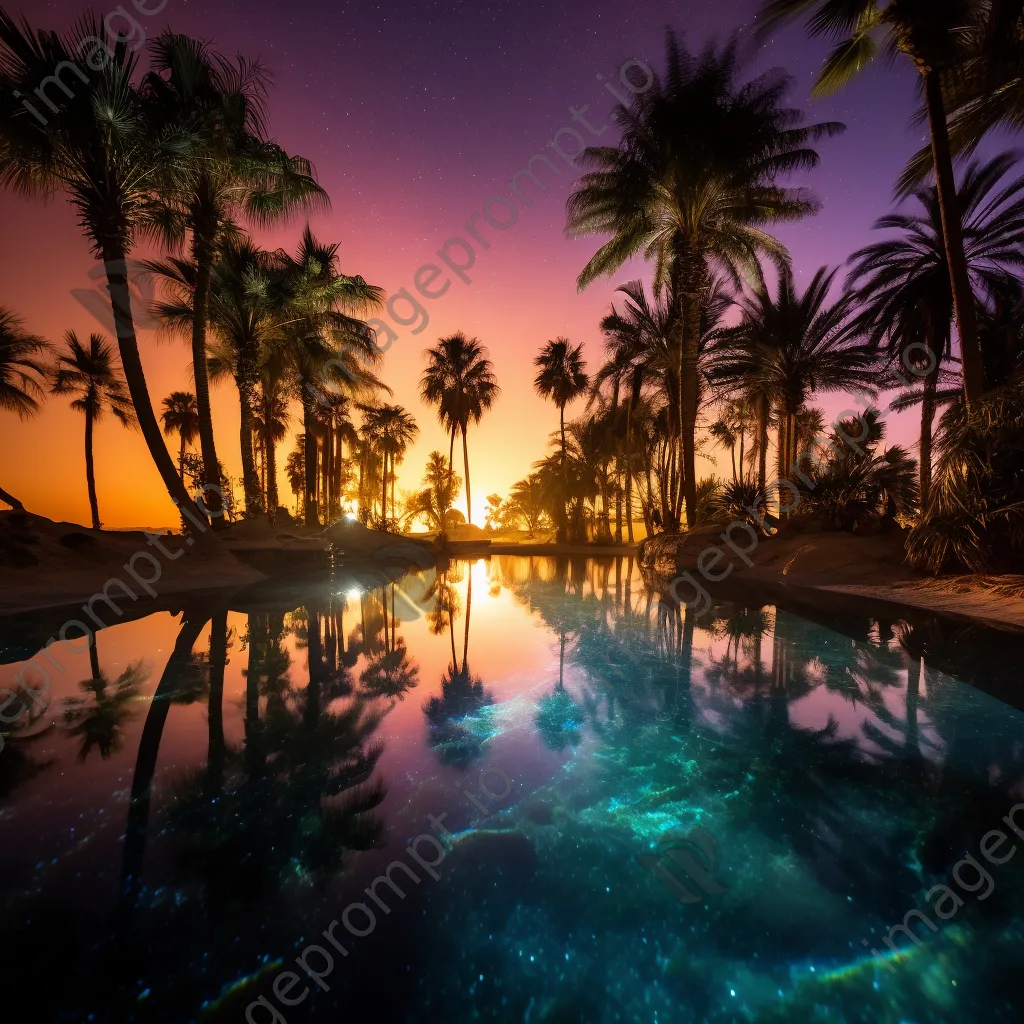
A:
[591, 805]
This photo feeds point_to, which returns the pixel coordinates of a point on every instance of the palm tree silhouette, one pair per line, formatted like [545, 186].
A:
[790, 346]
[693, 183]
[102, 148]
[327, 344]
[92, 376]
[931, 35]
[463, 696]
[271, 419]
[21, 374]
[904, 282]
[99, 718]
[562, 377]
[179, 416]
[459, 380]
[232, 170]
[240, 314]
[392, 430]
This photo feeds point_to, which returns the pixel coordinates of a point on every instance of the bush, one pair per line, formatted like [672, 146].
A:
[851, 486]
[975, 519]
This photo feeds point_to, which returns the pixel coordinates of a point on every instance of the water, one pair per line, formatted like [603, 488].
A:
[634, 815]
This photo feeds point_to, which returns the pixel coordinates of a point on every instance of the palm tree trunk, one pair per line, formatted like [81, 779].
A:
[203, 254]
[271, 460]
[309, 425]
[181, 458]
[9, 499]
[145, 761]
[953, 236]
[743, 438]
[246, 429]
[732, 455]
[465, 462]
[90, 469]
[131, 363]
[781, 452]
[384, 489]
[216, 747]
[629, 462]
[762, 442]
[451, 475]
[927, 418]
[688, 387]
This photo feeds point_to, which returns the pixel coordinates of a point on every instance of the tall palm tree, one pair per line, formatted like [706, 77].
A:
[931, 34]
[394, 430]
[904, 281]
[241, 316]
[327, 344]
[234, 170]
[561, 377]
[294, 468]
[793, 345]
[692, 185]
[101, 149]
[180, 416]
[92, 376]
[459, 380]
[270, 421]
[645, 335]
[21, 374]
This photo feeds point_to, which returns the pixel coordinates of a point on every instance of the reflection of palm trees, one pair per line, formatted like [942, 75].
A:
[390, 674]
[99, 719]
[307, 761]
[27, 714]
[178, 666]
[451, 718]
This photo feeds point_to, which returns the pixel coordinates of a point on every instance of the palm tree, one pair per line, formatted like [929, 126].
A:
[724, 433]
[181, 417]
[931, 34]
[21, 373]
[525, 498]
[459, 380]
[562, 377]
[100, 147]
[692, 185]
[394, 430]
[234, 170]
[788, 347]
[94, 379]
[240, 316]
[270, 421]
[295, 469]
[440, 489]
[645, 336]
[904, 281]
[327, 345]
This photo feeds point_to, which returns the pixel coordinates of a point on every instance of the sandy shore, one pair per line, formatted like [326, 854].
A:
[833, 569]
[44, 564]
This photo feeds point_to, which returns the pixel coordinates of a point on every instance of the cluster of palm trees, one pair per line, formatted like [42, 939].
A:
[694, 186]
[702, 173]
[181, 154]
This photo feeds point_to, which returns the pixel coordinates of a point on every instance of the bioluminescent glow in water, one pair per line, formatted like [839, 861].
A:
[524, 790]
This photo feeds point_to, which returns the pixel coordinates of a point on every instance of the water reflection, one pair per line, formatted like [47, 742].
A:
[225, 775]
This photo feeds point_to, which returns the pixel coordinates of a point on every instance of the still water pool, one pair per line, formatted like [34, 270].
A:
[522, 790]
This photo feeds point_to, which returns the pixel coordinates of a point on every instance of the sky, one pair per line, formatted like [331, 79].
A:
[415, 115]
